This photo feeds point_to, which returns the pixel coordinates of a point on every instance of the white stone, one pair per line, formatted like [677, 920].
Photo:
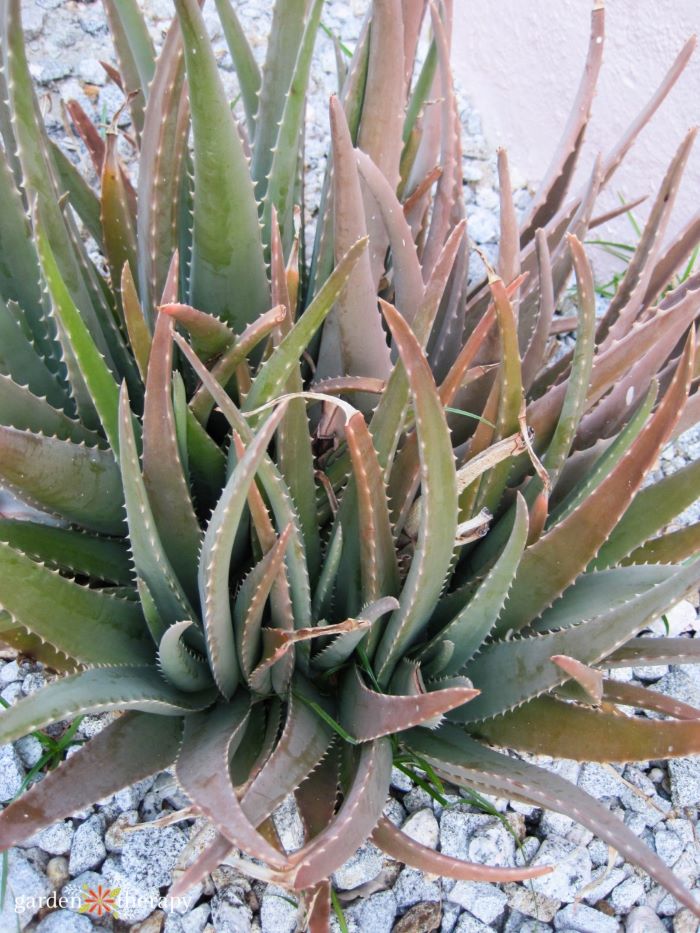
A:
[643, 920]
[149, 855]
[55, 839]
[684, 777]
[25, 887]
[626, 895]
[194, 921]
[571, 869]
[681, 618]
[65, 921]
[585, 919]
[230, 918]
[87, 850]
[11, 773]
[376, 912]
[277, 915]
[412, 887]
[360, 868]
[485, 901]
[423, 827]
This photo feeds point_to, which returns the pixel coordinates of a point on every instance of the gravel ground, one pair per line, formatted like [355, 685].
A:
[591, 891]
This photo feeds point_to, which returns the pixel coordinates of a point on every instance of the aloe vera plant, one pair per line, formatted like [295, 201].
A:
[297, 521]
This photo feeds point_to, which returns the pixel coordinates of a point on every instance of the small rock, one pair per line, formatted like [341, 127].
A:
[375, 913]
[88, 849]
[399, 780]
[483, 225]
[27, 886]
[360, 868]
[230, 918]
[422, 826]
[152, 924]
[626, 895]
[65, 921]
[679, 619]
[55, 839]
[571, 869]
[30, 750]
[57, 871]
[585, 919]
[10, 672]
[12, 693]
[684, 777]
[149, 855]
[685, 922]
[194, 921]
[115, 835]
[531, 903]
[137, 899]
[90, 71]
[289, 826]
[11, 773]
[485, 901]
[519, 923]
[33, 682]
[277, 915]
[602, 883]
[469, 924]
[412, 887]
[668, 845]
[599, 782]
[643, 920]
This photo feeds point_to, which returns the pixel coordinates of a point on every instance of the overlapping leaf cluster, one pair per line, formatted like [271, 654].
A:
[297, 520]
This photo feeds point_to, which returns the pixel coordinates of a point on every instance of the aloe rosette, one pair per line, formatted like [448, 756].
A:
[296, 521]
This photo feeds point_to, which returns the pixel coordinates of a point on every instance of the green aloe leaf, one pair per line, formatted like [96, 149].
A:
[85, 624]
[20, 408]
[134, 51]
[99, 691]
[80, 484]
[228, 276]
[19, 359]
[181, 666]
[76, 552]
[247, 70]
[438, 524]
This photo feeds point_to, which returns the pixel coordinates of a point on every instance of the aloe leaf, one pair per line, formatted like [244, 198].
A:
[316, 796]
[555, 183]
[556, 559]
[279, 192]
[596, 592]
[20, 408]
[19, 265]
[79, 275]
[671, 548]
[99, 691]
[161, 169]
[403, 848]
[588, 642]
[408, 280]
[438, 526]
[19, 359]
[80, 484]
[607, 461]
[286, 34]
[216, 556]
[150, 560]
[469, 628]
[367, 715]
[342, 646]
[134, 51]
[273, 485]
[466, 762]
[228, 276]
[275, 372]
[574, 404]
[99, 380]
[641, 651]
[15, 636]
[653, 508]
[127, 750]
[139, 336]
[353, 340]
[117, 219]
[329, 571]
[247, 71]
[380, 129]
[209, 335]
[359, 813]
[76, 552]
[225, 368]
[548, 726]
[302, 745]
[163, 472]
[81, 197]
[210, 741]
[251, 599]
[641, 698]
[85, 624]
[181, 666]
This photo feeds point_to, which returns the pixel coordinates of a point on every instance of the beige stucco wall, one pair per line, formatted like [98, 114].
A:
[520, 61]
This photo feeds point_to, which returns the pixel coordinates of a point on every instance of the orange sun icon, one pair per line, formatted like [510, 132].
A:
[99, 901]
